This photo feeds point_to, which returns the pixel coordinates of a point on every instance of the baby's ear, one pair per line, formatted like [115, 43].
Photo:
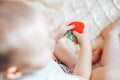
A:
[12, 73]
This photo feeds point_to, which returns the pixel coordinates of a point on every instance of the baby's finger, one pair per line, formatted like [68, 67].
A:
[76, 34]
[70, 27]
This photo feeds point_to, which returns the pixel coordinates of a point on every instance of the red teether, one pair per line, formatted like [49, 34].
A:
[79, 26]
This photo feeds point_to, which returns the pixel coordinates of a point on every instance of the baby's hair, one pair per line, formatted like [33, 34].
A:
[14, 15]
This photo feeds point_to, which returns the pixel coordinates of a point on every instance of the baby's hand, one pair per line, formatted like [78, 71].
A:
[61, 30]
[82, 37]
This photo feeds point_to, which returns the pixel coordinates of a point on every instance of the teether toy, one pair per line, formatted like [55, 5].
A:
[79, 27]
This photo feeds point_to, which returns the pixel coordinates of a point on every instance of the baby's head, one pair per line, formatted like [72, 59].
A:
[23, 37]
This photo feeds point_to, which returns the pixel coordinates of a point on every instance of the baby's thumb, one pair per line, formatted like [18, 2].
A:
[70, 27]
[76, 34]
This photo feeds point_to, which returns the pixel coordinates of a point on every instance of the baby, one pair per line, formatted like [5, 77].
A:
[26, 48]
[110, 62]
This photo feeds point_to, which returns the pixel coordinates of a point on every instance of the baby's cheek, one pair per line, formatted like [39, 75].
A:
[46, 55]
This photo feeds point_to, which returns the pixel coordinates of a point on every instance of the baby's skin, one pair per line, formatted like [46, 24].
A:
[110, 62]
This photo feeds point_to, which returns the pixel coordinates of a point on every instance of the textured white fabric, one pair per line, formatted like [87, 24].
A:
[51, 72]
[96, 14]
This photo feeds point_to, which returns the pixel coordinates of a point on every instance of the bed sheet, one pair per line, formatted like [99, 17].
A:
[96, 14]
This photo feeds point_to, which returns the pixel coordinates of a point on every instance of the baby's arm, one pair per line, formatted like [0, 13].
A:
[69, 58]
[65, 55]
[84, 63]
[58, 33]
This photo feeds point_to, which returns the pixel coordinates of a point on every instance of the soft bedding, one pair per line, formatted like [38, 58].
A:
[96, 14]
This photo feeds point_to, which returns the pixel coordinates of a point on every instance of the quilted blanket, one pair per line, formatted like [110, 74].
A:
[96, 14]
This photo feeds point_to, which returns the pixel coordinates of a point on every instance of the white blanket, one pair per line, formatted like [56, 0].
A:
[96, 14]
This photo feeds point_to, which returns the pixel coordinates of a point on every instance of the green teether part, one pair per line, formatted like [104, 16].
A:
[72, 37]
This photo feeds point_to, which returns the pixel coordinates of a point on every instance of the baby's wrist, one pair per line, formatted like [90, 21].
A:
[85, 43]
